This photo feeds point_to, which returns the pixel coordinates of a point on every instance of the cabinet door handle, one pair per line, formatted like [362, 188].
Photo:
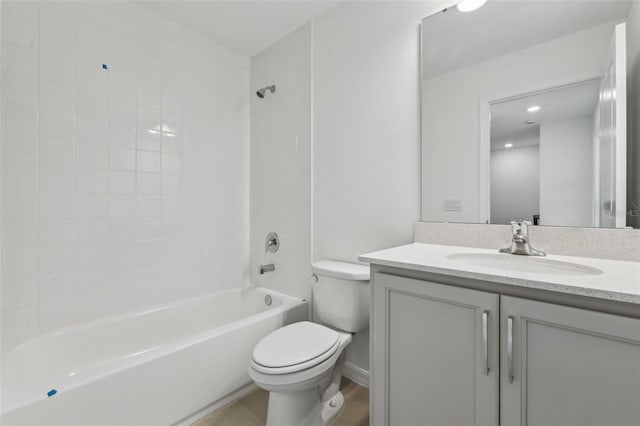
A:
[510, 347]
[485, 341]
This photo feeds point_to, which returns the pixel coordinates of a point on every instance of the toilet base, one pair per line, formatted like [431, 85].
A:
[310, 397]
[319, 405]
[290, 409]
[303, 409]
[332, 408]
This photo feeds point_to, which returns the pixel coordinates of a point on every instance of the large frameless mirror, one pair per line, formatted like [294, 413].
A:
[524, 113]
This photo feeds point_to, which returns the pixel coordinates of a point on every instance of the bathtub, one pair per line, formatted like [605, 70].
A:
[156, 367]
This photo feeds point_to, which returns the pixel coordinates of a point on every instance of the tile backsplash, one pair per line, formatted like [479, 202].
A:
[616, 244]
[124, 163]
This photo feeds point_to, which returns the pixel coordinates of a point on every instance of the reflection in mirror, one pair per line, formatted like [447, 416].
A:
[563, 163]
[547, 163]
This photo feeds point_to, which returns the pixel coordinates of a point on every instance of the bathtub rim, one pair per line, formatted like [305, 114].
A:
[154, 308]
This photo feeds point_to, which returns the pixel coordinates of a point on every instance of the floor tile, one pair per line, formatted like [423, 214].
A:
[234, 414]
[257, 402]
[251, 410]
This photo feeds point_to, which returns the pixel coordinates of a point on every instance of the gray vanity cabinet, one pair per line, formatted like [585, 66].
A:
[567, 366]
[543, 364]
[432, 365]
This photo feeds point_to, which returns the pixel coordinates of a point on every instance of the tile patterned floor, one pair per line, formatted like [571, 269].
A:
[252, 409]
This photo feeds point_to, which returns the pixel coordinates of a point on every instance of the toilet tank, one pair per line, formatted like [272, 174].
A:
[341, 295]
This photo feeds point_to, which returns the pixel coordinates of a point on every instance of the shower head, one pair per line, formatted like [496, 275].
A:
[262, 91]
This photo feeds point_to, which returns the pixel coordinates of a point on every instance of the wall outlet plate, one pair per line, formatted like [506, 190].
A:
[453, 205]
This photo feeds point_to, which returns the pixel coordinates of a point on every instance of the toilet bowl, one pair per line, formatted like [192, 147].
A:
[300, 365]
[297, 365]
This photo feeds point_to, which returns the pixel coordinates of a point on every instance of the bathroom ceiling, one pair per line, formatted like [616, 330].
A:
[509, 118]
[245, 27]
[454, 40]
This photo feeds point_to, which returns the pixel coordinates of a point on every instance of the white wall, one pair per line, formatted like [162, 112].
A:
[366, 158]
[103, 212]
[281, 163]
[515, 183]
[452, 98]
[366, 127]
[366, 142]
[566, 172]
[633, 118]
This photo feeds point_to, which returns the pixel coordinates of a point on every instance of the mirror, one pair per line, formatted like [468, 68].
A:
[524, 113]
[551, 160]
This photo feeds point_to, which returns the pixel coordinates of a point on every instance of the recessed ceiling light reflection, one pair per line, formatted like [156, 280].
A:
[153, 132]
[508, 145]
[534, 108]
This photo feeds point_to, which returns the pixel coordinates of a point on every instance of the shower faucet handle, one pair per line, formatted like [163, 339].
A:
[273, 243]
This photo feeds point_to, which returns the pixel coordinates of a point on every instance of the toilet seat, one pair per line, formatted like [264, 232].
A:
[305, 393]
[313, 374]
[294, 348]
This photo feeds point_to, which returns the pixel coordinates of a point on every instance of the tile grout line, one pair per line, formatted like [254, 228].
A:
[251, 413]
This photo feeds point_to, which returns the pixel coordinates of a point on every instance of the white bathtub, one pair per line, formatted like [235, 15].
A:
[156, 367]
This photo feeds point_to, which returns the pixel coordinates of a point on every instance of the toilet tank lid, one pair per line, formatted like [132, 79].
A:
[342, 270]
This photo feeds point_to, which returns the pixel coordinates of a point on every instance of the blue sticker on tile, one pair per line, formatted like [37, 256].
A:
[105, 67]
[51, 393]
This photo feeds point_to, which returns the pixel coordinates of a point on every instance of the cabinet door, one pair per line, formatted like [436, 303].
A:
[567, 366]
[435, 354]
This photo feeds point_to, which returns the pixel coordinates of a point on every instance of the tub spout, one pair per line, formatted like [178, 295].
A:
[266, 268]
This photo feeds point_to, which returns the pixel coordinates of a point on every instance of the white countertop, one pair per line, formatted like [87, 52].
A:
[618, 281]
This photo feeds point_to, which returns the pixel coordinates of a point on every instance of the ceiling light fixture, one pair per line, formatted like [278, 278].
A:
[508, 145]
[534, 108]
[470, 5]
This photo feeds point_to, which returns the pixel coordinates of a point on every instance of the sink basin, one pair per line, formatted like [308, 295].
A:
[527, 264]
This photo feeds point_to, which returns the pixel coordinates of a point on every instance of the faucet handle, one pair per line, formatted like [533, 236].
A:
[273, 243]
[520, 242]
[520, 227]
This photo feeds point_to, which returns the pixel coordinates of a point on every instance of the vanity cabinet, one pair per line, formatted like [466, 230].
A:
[567, 366]
[449, 355]
[436, 354]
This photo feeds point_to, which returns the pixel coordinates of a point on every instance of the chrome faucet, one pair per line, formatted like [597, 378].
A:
[273, 243]
[520, 240]
[266, 268]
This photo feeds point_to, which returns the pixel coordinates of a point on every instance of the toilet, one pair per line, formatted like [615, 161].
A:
[301, 364]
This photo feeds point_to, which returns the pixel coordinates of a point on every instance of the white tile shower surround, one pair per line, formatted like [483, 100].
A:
[281, 163]
[613, 244]
[118, 184]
